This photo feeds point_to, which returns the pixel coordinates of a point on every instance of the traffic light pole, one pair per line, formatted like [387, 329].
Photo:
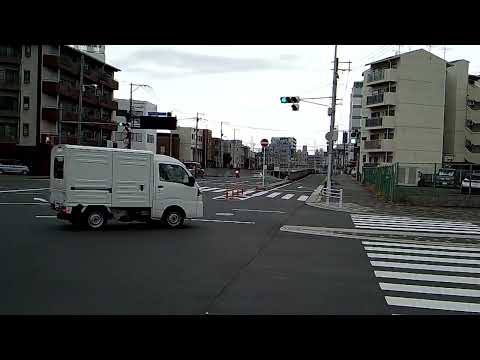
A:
[332, 123]
[263, 169]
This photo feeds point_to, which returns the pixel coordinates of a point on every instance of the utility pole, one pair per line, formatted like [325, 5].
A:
[196, 142]
[332, 121]
[234, 147]
[221, 140]
[130, 116]
[80, 102]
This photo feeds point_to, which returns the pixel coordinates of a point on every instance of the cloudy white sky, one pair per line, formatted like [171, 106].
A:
[242, 84]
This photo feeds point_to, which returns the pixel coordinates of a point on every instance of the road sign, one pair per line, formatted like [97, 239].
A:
[264, 142]
[335, 135]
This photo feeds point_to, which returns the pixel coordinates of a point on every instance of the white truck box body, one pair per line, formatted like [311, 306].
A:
[118, 178]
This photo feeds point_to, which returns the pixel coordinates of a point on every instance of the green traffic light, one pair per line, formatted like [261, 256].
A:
[283, 100]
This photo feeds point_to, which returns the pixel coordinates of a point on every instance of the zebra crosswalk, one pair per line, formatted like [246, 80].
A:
[415, 277]
[248, 194]
[405, 223]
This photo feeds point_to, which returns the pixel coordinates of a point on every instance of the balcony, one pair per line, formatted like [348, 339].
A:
[10, 59]
[106, 102]
[380, 145]
[90, 98]
[108, 81]
[472, 153]
[373, 77]
[50, 87]
[387, 98]
[62, 62]
[380, 122]
[8, 139]
[10, 85]
[68, 90]
[92, 74]
[472, 133]
[473, 115]
[52, 114]
[9, 113]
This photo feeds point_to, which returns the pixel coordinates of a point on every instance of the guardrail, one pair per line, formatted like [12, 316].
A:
[332, 194]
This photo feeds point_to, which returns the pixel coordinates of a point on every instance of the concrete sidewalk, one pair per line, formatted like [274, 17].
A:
[358, 199]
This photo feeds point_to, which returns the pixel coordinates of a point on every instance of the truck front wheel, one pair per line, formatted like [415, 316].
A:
[96, 219]
[174, 218]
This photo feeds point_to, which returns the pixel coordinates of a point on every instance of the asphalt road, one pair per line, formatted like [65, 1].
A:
[235, 260]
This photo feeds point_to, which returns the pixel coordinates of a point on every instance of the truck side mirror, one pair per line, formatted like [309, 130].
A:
[191, 181]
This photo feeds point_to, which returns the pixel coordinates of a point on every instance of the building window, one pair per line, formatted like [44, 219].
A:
[26, 102]
[137, 137]
[389, 158]
[26, 76]
[28, 50]
[26, 130]
[150, 139]
[8, 103]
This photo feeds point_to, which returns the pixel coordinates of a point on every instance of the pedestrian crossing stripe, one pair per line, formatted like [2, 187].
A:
[415, 270]
[272, 195]
[399, 223]
[208, 189]
[288, 196]
[254, 193]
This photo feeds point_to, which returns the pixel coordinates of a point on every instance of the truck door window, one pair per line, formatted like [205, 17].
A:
[58, 167]
[172, 173]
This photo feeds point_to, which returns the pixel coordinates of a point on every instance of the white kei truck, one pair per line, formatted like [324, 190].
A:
[91, 185]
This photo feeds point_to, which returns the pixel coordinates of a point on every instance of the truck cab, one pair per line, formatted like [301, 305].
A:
[91, 185]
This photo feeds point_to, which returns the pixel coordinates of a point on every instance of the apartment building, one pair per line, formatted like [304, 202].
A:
[235, 149]
[168, 144]
[462, 114]
[404, 109]
[355, 106]
[40, 84]
[283, 150]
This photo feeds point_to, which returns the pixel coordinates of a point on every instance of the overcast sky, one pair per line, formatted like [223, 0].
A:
[242, 84]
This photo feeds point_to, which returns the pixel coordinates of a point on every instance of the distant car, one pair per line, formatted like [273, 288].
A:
[195, 168]
[12, 167]
[475, 184]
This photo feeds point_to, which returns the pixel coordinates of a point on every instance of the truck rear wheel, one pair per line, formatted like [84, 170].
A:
[95, 219]
[174, 218]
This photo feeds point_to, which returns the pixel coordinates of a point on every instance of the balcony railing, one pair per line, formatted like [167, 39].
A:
[375, 75]
[372, 122]
[68, 90]
[375, 99]
[8, 139]
[10, 84]
[9, 113]
[108, 103]
[373, 144]
[107, 80]
[473, 148]
[474, 127]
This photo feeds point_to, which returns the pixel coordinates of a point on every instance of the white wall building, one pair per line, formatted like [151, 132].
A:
[142, 139]
[140, 108]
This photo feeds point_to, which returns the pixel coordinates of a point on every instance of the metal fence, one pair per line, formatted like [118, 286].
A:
[382, 180]
[426, 184]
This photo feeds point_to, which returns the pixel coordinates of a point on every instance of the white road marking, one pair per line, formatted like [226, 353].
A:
[203, 187]
[224, 214]
[419, 229]
[23, 190]
[259, 194]
[33, 203]
[209, 189]
[455, 248]
[353, 234]
[40, 199]
[261, 211]
[272, 195]
[424, 258]
[303, 198]
[217, 191]
[399, 265]
[429, 289]
[288, 196]
[406, 218]
[248, 192]
[428, 277]
[223, 221]
[300, 187]
[425, 252]
[46, 216]
[433, 304]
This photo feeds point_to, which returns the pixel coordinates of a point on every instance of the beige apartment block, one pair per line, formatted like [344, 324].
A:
[403, 110]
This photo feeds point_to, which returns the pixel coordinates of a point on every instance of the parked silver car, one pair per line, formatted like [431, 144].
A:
[13, 167]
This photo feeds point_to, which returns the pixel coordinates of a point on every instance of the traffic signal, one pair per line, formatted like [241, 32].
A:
[345, 137]
[296, 107]
[290, 99]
